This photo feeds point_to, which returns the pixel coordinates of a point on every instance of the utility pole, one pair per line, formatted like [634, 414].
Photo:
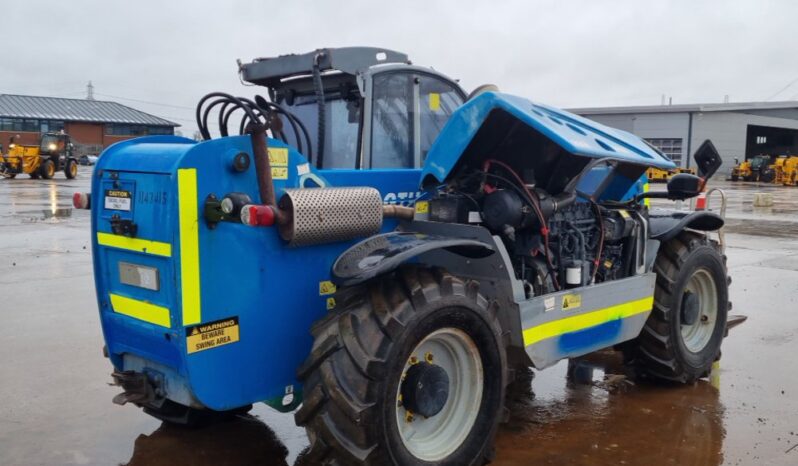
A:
[90, 91]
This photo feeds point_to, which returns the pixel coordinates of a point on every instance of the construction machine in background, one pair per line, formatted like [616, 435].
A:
[658, 175]
[54, 153]
[786, 170]
[757, 168]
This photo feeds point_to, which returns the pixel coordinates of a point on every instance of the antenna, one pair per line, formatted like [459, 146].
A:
[90, 91]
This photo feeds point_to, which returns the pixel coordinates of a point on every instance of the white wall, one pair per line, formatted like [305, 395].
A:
[727, 131]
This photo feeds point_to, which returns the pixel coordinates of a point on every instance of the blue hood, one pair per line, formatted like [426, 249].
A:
[574, 134]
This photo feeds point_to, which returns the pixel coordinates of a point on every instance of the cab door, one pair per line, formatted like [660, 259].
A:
[404, 111]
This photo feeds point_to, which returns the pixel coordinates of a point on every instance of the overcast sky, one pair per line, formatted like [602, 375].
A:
[564, 53]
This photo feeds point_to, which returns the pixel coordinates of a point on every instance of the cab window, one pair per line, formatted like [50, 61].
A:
[408, 112]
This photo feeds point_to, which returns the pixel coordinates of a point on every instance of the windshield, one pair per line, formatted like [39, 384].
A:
[759, 161]
[342, 120]
[51, 144]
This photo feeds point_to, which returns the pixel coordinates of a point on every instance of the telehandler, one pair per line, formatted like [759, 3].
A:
[374, 246]
[757, 168]
[54, 153]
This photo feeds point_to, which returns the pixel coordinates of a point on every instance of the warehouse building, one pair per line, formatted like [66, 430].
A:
[738, 130]
[92, 124]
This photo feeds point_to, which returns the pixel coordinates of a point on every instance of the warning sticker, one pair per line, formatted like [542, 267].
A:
[422, 207]
[211, 334]
[326, 287]
[434, 101]
[279, 173]
[330, 304]
[548, 304]
[117, 199]
[624, 213]
[278, 156]
[571, 301]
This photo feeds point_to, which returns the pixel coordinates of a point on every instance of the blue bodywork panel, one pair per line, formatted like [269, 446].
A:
[576, 135]
[244, 272]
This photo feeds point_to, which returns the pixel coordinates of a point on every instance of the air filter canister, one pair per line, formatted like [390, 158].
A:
[327, 215]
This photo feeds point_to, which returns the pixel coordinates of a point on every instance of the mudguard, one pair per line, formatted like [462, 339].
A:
[666, 224]
[383, 253]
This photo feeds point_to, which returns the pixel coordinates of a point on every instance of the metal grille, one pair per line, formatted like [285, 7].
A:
[325, 215]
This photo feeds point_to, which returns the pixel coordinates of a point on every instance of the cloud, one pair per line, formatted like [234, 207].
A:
[570, 54]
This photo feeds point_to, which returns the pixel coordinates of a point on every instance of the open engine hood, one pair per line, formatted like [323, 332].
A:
[495, 122]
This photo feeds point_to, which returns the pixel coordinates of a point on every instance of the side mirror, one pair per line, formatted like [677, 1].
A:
[684, 186]
[707, 160]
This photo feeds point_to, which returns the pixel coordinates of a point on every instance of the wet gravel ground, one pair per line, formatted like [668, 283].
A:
[55, 404]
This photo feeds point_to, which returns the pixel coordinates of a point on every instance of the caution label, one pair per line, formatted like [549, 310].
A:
[279, 173]
[571, 301]
[326, 287]
[422, 207]
[278, 156]
[211, 335]
[116, 199]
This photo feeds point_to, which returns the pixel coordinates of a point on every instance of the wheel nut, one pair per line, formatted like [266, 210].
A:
[409, 417]
[428, 357]
[413, 360]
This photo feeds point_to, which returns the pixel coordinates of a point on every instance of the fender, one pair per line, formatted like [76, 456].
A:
[467, 251]
[383, 253]
[666, 224]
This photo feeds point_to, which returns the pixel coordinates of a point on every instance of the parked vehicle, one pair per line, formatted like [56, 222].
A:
[54, 153]
[389, 255]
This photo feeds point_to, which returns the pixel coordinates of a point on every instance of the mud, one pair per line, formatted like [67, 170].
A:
[55, 403]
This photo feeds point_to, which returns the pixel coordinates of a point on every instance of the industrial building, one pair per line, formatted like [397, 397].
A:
[738, 130]
[92, 124]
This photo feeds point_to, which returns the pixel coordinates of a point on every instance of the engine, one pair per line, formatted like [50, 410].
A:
[555, 241]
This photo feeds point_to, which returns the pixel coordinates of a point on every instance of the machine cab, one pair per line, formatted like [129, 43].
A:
[379, 111]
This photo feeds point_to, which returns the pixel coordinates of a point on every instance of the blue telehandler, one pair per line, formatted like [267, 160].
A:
[372, 247]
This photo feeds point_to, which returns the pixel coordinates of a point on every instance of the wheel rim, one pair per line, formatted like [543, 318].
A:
[697, 336]
[50, 170]
[436, 437]
[73, 169]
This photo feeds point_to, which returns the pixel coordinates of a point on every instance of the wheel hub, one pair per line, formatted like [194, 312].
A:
[425, 389]
[690, 308]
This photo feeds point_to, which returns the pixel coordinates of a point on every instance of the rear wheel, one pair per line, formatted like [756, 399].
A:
[71, 169]
[47, 170]
[411, 369]
[735, 177]
[681, 339]
[767, 176]
[35, 175]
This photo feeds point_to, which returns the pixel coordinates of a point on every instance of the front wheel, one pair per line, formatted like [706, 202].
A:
[682, 336]
[47, 170]
[71, 169]
[410, 369]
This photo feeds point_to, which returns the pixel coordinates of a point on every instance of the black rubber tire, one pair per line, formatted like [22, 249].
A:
[68, 169]
[34, 175]
[352, 374]
[178, 414]
[767, 176]
[47, 170]
[11, 176]
[659, 351]
[735, 177]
